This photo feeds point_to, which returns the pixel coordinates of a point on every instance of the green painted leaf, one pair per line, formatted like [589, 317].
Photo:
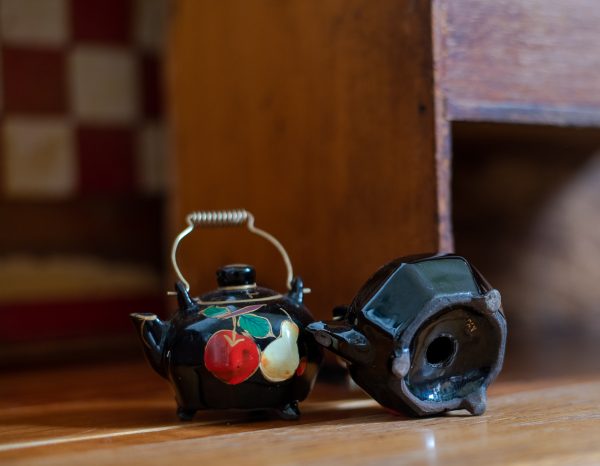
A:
[215, 311]
[257, 326]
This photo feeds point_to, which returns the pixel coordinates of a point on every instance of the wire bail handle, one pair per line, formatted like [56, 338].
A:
[226, 218]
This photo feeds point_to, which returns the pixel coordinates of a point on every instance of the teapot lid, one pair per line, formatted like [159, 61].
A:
[237, 284]
[236, 275]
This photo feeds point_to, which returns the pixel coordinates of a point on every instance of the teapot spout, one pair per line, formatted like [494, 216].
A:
[152, 332]
[343, 340]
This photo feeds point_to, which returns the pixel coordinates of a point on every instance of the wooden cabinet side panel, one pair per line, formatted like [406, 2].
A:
[317, 116]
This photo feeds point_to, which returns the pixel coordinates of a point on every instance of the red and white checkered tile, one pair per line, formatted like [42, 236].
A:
[80, 109]
[34, 22]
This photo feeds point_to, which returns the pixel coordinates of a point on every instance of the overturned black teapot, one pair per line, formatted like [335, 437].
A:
[240, 346]
[425, 334]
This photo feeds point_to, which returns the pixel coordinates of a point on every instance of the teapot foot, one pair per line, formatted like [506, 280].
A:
[289, 412]
[185, 414]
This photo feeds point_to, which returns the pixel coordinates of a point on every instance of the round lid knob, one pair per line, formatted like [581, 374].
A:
[236, 275]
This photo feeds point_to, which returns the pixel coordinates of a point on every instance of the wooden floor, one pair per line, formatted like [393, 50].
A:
[124, 414]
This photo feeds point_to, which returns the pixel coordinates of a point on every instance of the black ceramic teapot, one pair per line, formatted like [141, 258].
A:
[240, 346]
[424, 334]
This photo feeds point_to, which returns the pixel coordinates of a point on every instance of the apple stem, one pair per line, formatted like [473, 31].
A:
[233, 331]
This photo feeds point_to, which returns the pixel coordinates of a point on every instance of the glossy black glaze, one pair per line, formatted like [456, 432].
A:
[236, 275]
[208, 349]
[425, 334]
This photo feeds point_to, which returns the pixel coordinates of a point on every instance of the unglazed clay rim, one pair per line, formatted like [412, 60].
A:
[435, 306]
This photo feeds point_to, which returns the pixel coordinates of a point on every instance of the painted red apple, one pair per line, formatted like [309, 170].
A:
[231, 357]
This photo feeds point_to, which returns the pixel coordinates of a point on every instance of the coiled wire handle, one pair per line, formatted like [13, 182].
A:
[226, 218]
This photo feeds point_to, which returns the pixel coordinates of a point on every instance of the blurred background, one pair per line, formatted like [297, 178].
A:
[330, 122]
[82, 162]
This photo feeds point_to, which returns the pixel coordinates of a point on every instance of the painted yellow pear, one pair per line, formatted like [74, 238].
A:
[280, 359]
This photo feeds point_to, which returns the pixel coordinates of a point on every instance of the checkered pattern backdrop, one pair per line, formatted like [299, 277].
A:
[80, 102]
[80, 129]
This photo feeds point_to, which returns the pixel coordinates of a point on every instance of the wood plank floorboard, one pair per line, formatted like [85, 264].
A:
[123, 414]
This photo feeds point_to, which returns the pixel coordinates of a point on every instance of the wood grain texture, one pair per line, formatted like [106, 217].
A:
[123, 414]
[523, 61]
[317, 116]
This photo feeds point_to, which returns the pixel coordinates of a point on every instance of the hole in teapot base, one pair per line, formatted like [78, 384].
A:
[441, 351]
